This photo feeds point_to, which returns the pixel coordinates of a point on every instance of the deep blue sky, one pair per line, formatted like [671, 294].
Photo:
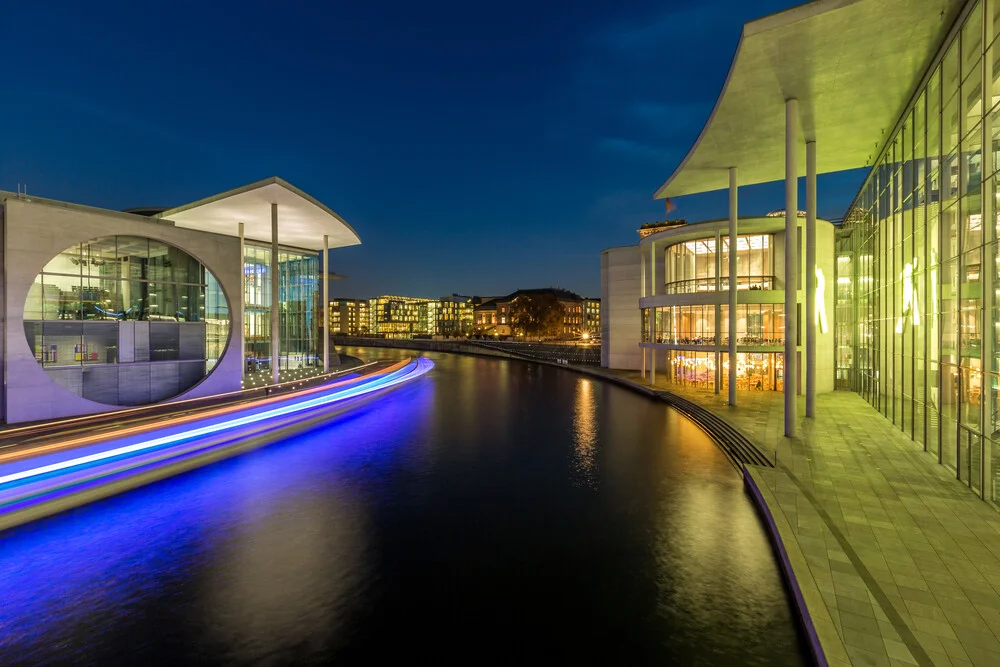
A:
[476, 147]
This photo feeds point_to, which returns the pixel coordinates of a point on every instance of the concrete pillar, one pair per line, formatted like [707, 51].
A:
[652, 351]
[326, 303]
[275, 299]
[810, 279]
[241, 334]
[988, 273]
[791, 261]
[652, 270]
[733, 214]
[643, 289]
[718, 313]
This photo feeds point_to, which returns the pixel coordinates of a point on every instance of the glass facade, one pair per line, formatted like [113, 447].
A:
[126, 320]
[298, 317]
[757, 371]
[917, 264]
[692, 266]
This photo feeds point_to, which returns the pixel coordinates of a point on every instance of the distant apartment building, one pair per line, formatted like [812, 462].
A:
[493, 316]
[454, 316]
[592, 316]
[349, 317]
[401, 316]
[391, 316]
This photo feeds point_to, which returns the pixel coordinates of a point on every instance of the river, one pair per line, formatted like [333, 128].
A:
[491, 511]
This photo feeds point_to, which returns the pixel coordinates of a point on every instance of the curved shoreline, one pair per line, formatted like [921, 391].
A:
[785, 554]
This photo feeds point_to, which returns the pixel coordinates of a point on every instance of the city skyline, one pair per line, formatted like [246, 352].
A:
[477, 166]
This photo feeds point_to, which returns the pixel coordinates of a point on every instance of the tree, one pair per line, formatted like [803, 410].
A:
[537, 315]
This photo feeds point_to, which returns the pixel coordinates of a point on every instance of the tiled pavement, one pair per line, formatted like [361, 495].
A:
[899, 563]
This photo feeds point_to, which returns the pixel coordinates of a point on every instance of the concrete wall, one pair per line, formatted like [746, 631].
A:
[621, 278]
[35, 231]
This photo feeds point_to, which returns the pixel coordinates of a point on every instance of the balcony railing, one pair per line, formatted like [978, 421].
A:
[742, 339]
[696, 285]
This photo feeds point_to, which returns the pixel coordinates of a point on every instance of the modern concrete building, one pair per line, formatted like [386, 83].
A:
[104, 309]
[907, 89]
[668, 300]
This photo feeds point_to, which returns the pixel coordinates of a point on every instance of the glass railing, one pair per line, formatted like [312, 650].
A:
[688, 339]
[695, 285]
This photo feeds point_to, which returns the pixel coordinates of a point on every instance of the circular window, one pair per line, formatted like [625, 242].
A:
[126, 320]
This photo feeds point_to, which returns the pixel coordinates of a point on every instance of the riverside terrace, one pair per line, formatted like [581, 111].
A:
[896, 561]
[885, 496]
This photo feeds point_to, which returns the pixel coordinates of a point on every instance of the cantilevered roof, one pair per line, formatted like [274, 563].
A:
[302, 220]
[851, 64]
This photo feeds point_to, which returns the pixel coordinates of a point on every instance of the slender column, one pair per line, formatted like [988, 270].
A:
[791, 261]
[652, 269]
[988, 273]
[811, 279]
[718, 313]
[733, 211]
[241, 334]
[643, 350]
[326, 303]
[275, 300]
[643, 290]
[652, 350]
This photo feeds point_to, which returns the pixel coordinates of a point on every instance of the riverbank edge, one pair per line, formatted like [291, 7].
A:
[798, 579]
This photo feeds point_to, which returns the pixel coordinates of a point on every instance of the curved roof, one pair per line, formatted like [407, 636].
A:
[851, 64]
[302, 220]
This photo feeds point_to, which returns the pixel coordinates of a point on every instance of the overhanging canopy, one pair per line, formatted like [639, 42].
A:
[302, 220]
[851, 64]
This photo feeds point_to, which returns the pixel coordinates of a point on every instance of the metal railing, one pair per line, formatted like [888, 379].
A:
[696, 285]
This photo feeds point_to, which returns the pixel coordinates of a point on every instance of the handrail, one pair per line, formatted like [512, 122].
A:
[746, 282]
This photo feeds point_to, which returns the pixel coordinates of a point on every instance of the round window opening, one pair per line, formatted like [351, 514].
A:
[126, 320]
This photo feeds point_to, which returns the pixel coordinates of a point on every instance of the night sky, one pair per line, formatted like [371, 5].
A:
[476, 147]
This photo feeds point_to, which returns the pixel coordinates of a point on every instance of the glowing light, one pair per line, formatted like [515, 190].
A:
[413, 370]
[910, 308]
[820, 300]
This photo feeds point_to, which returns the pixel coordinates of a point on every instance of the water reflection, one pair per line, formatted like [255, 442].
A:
[585, 432]
[493, 509]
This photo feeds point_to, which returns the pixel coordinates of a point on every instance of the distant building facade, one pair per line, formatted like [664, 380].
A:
[580, 315]
[349, 317]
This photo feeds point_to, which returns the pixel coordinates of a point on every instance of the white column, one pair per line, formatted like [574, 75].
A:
[733, 212]
[652, 350]
[643, 289]
[811, 279]
[644, 350]
[791, 261]
[326, 303]
[718, 313]
[652, 366]
[988, 273]
[241, 334]
[275, 320]
[652, 269]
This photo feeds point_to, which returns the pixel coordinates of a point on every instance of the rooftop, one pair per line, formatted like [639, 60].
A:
[851, 64]
[302, 220]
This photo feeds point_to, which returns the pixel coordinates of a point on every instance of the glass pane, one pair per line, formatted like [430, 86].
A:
[100, 343]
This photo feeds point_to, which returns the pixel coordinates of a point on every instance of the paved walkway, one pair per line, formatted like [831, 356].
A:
[898, 562]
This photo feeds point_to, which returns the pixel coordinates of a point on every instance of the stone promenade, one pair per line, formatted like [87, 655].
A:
[897, 561]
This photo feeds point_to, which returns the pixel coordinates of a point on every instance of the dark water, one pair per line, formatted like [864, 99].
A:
[491, 512]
